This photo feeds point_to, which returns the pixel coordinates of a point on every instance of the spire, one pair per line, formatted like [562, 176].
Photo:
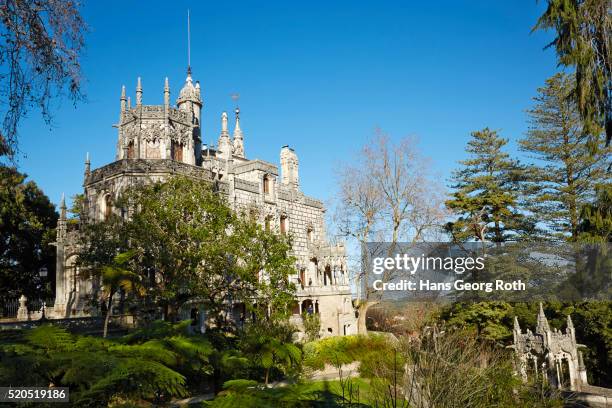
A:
[123, 98]
[517, 327]
[63, 206]
[542, 323]
[166, 93]
[139, 93]
[129, 103]
[238, 138]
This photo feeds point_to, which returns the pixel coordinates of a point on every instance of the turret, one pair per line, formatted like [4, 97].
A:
[238, 137]
[190, 99]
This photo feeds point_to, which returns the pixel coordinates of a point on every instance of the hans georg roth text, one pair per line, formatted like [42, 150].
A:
[460, 285]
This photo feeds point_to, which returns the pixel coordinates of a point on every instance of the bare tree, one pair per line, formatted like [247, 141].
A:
[387, 193]
[39, 60]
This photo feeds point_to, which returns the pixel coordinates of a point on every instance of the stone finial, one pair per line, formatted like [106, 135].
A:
[238, 137]
[22, 312]
[63, 204]
[224, 124]
[123, 98]
[517, 327]
[225, 144]
[87, 164]
[542, 322]
[166, 92]
[139, 92]
[129, 103]
[570, 324]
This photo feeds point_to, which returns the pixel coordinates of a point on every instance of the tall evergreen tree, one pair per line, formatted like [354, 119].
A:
[596, 218]
[561, 180]
[486, 192]
[584, 40]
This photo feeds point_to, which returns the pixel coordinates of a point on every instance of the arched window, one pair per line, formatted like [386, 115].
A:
[266, 184]
[130, 150]
[108, 206]
[177, 151]
[284, 225]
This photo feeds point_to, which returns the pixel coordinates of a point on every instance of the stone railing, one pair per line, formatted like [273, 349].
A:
[147, 167]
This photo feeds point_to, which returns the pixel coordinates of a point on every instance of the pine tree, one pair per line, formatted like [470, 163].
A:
[486, 192]
[561, 180]
[596, 218]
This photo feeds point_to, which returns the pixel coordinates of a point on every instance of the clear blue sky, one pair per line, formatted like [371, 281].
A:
[319, 76]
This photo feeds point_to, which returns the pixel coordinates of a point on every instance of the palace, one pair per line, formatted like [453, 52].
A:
[158, 141]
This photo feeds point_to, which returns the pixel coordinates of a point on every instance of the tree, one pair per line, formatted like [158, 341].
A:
[563, 177]
[27, 228]
[486, 193]
[584, 41]
[39, 56]
[596, 218]
[188, 245]
[387, 194]
[115, 277]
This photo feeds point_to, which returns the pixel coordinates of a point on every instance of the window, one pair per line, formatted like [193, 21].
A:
[130, 150]
[283, 225]
[266, 184]
[177, 151]
[310, 234]
[108, 206]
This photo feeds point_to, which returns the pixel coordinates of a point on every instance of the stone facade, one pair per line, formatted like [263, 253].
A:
[550, 355]
[155, 142]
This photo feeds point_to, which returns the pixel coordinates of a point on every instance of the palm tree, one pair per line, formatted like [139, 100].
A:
[274, 352]
[114, 277]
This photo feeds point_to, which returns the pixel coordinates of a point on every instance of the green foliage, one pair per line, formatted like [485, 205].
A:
[268, 345]
[27, 227]
[485, 197]
[596, 218]
[312, 325]
[583, 39]
[563, 177]
[135, 367]
[340, 350]
[186, 244]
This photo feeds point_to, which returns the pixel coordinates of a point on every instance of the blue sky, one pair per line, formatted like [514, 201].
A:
[319, 76]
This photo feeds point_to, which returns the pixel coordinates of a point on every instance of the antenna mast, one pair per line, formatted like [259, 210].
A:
[188, 43]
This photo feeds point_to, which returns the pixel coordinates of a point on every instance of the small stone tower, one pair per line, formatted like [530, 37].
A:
[550, 355]
[289, 168]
